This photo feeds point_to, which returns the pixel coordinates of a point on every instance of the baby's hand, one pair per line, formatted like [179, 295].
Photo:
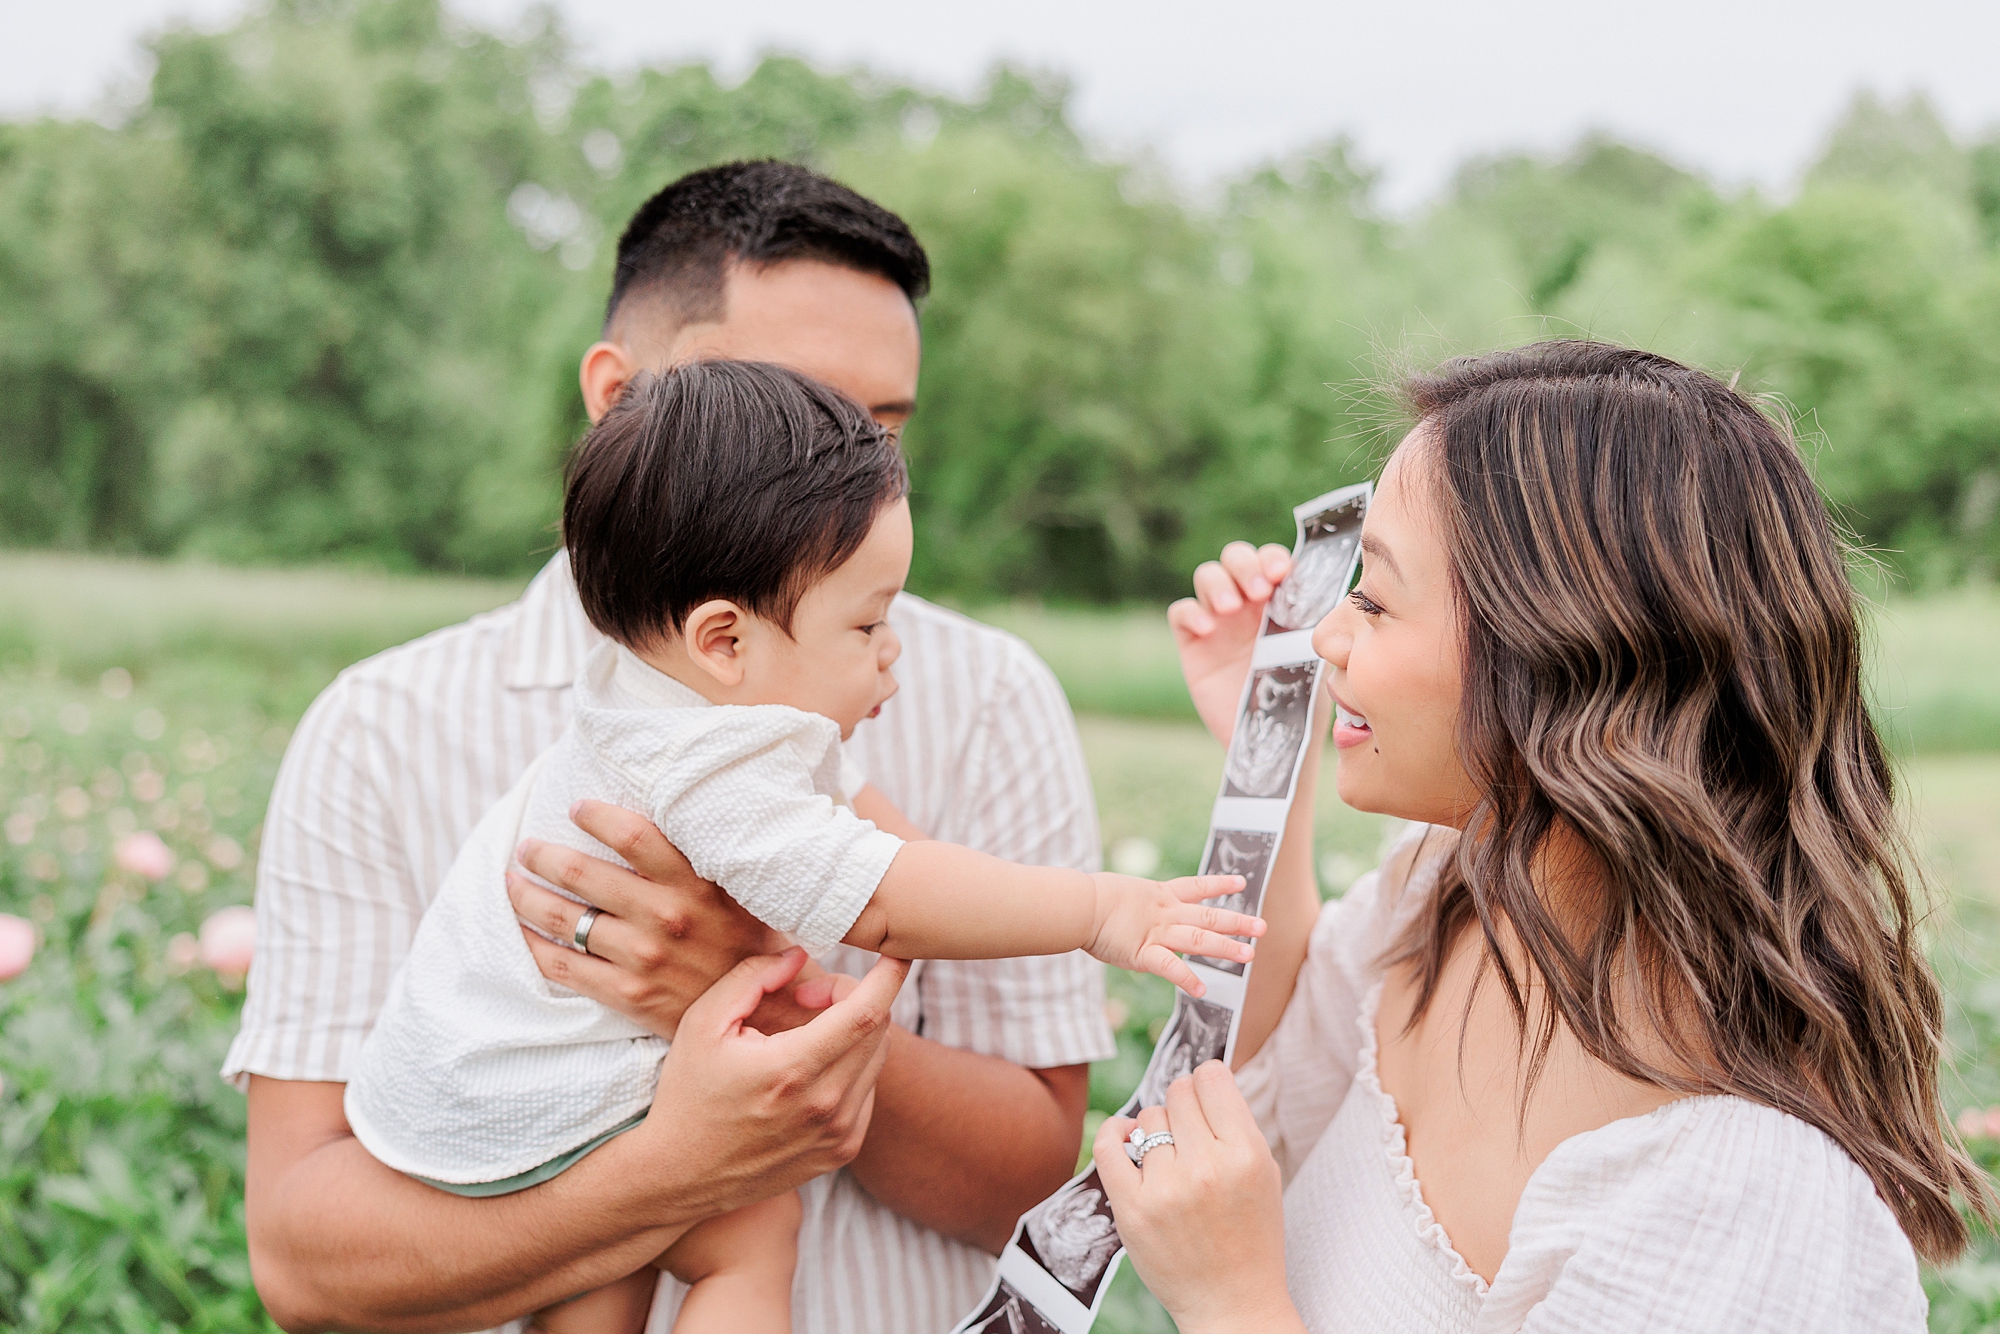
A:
[1141, 923]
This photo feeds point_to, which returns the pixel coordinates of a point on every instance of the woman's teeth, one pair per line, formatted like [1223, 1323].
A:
[1345, 719]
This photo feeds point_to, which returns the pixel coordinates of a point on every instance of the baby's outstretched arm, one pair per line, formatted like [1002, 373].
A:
[942, 901]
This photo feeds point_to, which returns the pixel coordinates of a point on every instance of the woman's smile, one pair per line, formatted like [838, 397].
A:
[1349, 728]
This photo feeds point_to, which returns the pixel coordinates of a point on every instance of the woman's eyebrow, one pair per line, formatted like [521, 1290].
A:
[1378, 553]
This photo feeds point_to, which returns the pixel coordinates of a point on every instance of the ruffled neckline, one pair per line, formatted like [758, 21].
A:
[1395, 1147]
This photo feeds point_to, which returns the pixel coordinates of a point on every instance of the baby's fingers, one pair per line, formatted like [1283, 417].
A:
[1222, 921]
[1163, 962]
[1194, 940]
[1195, 888]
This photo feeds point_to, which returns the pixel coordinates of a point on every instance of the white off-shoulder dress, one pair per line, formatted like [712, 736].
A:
[1709, 1214]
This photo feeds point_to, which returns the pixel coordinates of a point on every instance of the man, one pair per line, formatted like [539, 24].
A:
[978, 1106]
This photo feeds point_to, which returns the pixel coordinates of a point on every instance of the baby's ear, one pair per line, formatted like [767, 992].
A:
[715, 638]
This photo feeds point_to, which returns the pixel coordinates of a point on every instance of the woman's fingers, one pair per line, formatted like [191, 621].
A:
[1223, 1106]
[1114, 1165]
[1188, 621]
[1217, 590]
[1246, 567]
[1185, 1115]
[1276, 560]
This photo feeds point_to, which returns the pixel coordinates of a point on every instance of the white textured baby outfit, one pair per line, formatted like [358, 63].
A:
[1711, 1214]
[479, 1068]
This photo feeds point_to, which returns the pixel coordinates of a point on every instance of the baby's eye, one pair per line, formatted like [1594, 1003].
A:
[871, 629]
[1366, 605]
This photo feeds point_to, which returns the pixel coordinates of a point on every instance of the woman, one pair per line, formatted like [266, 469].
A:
[1631, 1031]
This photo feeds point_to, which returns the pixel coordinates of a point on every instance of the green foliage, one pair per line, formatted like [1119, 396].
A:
[121, 1153]
[320, 294]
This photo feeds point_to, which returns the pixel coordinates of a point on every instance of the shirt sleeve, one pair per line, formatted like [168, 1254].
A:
[1297, 1081]
[746, 794]
[1028, 800]
[1710, 1214]
[336, 903]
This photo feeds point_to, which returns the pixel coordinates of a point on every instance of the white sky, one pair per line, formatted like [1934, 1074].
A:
[1744, 89]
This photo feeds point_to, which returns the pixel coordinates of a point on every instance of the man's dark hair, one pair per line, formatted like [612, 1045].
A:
[681, 242]
[720, 479]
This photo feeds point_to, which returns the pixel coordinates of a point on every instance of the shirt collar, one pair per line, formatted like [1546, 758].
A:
[550, 636]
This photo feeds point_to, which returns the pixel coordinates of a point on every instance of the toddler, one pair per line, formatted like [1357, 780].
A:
[738, 532]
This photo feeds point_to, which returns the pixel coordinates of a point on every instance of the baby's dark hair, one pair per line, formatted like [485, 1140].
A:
[720, 479]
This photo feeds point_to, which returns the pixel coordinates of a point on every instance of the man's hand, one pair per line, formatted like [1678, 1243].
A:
[778, 1108]
[663, 935]
[339, 1241]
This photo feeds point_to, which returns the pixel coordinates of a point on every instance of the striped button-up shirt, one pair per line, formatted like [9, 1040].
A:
[395, 763]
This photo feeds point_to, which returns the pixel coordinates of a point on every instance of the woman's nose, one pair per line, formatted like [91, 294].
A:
[1332, 639]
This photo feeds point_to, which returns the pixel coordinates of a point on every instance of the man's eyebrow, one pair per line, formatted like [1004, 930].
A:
[1373, 548]
[902, 407]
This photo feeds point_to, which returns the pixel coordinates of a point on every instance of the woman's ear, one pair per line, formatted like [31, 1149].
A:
[714, 636]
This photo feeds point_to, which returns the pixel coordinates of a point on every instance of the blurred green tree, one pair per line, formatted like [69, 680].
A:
[320, 294]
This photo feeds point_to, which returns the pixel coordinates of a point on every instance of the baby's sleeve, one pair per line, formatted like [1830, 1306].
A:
[748, 796]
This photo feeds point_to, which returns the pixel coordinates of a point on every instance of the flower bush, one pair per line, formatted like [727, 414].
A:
[121, 1151]
[128, 830]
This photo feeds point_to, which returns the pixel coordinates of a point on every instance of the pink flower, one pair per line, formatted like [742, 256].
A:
[144, 854]
[183, 952]
[1993, 1123]
[228, 939]
[17, 945]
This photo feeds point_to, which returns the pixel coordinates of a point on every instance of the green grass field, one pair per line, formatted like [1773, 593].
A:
[138, 696]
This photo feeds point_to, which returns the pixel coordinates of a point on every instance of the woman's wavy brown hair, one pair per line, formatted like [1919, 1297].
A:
[1663, 660]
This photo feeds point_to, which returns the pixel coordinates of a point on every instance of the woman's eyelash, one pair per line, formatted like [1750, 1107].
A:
[1366, 605]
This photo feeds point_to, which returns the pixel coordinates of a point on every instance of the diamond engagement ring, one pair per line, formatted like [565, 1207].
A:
[1138, 1144]
[583, 925]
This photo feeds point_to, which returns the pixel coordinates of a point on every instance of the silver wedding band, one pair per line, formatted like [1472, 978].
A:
[583, 925]
[1139, 1144]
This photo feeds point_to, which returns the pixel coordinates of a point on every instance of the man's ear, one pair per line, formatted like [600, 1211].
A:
[714, 636]
[606, 369]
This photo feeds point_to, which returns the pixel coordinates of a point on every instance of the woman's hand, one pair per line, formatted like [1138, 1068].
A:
[1216, 629]
[1203, 1220]
[772, 1111]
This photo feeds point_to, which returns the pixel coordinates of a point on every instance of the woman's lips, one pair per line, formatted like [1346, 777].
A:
[1349, 728]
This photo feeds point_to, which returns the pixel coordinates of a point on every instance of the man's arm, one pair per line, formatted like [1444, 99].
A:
[338, 1241]
[964, 1143]
[961, 1142]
